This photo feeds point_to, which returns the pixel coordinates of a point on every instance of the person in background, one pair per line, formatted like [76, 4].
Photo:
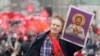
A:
[97, 52]
[20, 40]
[91, 53]
[49, 42]
[25, 45]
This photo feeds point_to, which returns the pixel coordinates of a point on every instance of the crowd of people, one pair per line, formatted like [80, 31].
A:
[17, 31]
[19, 35]
[93, 43]
[92, 47]
[10, 46]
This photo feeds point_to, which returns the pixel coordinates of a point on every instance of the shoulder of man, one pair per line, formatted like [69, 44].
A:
[42, 35]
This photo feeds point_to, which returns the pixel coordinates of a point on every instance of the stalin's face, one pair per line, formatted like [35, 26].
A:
[78, 20]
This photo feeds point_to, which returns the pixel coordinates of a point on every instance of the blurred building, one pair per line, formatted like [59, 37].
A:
[58, 6]
[4, 5]
[61, 7]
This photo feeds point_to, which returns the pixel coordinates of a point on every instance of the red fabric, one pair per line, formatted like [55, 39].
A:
[30, 8]
[98, 31]
[79, 54]
[56, 46]
[44, 13]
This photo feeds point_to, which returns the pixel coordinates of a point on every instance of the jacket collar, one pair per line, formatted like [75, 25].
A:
[43, 35]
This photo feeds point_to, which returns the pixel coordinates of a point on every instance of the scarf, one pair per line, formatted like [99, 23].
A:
[56, 46]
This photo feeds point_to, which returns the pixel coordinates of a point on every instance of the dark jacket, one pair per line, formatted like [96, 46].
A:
[67, 47]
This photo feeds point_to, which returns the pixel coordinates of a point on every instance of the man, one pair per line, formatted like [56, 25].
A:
[50, 44]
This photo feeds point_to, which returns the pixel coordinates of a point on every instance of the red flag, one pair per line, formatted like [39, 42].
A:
[44, 13]
[30, 8]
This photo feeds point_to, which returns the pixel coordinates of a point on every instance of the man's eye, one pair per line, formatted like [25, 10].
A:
[53, 24]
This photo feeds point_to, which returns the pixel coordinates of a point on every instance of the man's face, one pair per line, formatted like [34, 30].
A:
[56, 26]
[78, 21]
[97, 53]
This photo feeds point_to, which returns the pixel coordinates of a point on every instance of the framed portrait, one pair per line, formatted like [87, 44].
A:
[76, 25]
